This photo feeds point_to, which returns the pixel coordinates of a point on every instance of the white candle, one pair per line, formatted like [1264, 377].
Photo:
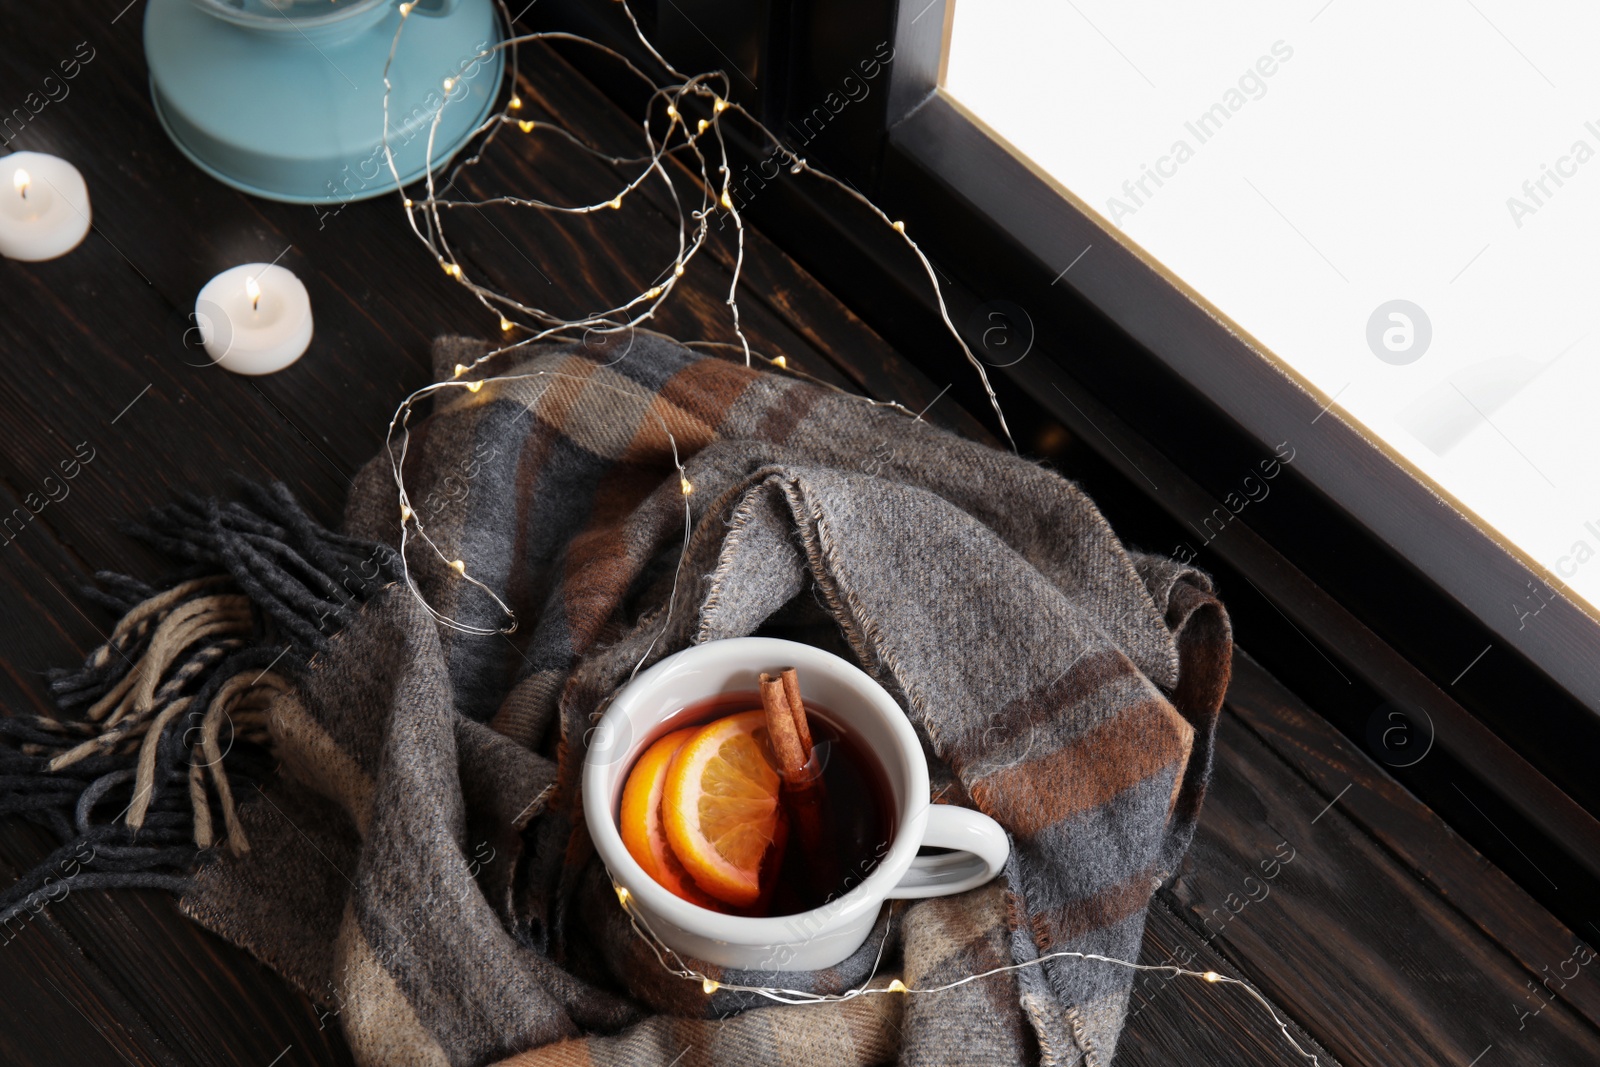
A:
[254, 319]
[44, 206]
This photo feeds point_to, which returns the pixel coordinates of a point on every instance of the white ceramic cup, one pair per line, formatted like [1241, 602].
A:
[642, 711]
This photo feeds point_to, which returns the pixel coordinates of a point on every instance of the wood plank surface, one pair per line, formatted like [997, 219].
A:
[1385, 938]
[1347, 938]
[1479, 891]
[1179, 1020]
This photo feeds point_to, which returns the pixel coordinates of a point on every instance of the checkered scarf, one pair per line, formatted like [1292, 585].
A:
[419, 863]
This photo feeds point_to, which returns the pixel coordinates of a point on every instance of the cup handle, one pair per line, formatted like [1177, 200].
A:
[980, 848]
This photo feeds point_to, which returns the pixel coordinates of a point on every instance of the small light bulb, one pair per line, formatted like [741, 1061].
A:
[727, 201]
[652, 292]
[1212, 976]
[252, 289]
[459, 567]
[408, 202]
[622, 896]
[678, 271]
[615, 203]
[461, 368]
[897, 986]
[516, 103]
[780, 362]
[720, 106]
[899, 227]
[449, 84]
[525, 125]
[473, 387]
[672, 112]
[710, 985]
[702, 126]
[452, 269]
[405, 9]
[405, 512]
[506, 324]
[683, 484]
[797, 168]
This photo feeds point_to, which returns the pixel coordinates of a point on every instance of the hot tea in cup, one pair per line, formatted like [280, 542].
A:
[718, 831]
[762, 872]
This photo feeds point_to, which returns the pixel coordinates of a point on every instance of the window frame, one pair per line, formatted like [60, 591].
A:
[1489, 577]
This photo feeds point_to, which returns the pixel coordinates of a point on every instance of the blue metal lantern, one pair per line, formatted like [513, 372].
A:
[284, 98]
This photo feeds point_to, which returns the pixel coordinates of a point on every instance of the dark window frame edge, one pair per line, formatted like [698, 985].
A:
[1461, 554]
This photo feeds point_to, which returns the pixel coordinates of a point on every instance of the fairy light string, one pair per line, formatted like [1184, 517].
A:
[668, 101]
[412, 526]
[676, 966]
[672, 102]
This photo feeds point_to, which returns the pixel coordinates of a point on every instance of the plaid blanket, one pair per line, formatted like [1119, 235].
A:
[418, 863]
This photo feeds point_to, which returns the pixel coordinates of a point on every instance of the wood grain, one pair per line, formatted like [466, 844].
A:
[1479, 891]
[1184, 1020]
[1358, 948]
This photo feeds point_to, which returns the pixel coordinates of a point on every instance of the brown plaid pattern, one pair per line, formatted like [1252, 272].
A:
[420, 864]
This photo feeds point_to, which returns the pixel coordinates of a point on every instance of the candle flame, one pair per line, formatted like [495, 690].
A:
[22, 179]
[253, 291]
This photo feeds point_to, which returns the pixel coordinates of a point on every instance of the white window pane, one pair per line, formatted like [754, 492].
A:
[1306, 166]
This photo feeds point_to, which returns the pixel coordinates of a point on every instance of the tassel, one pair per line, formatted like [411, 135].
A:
[174, 703]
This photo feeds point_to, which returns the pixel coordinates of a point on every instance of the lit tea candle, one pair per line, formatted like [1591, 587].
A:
[44, 206]
[254, 319]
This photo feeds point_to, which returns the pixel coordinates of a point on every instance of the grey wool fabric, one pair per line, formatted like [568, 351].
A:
[419, 864]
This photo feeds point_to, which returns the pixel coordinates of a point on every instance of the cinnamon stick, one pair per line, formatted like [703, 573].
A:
[797, 708]
[792, 755]
[803, 795]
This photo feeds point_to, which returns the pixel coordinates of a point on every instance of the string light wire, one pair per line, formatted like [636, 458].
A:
[427, 222]
[710, 985]
[411, 524]
[426, 217]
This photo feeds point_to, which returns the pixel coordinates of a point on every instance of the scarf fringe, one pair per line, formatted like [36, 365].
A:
[170, 715]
